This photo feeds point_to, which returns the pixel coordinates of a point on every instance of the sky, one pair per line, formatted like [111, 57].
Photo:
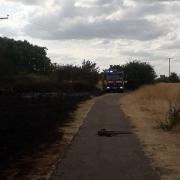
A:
[104, 31]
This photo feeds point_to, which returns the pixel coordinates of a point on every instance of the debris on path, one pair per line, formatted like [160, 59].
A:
[108, 133]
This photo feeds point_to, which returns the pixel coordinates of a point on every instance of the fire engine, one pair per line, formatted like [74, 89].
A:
[113, 80]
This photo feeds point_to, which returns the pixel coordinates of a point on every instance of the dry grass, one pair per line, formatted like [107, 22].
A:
[147, 108]
[155, 100]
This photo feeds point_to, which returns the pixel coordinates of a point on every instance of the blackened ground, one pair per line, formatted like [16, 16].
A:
[27, 122]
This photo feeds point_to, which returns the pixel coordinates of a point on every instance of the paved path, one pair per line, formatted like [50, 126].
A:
[91, 157]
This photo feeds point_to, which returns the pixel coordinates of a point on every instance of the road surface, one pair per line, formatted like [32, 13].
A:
[92, 157]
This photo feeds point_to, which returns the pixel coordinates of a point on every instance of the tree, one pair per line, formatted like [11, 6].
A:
[116, 67]
[25, 57]
[87, 73]
[89, 66]
[69, 73]
[162, 78]
[90, 72]
[139, 73]
[174, 78]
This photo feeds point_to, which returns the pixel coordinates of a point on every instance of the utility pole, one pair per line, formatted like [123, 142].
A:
[170, 67]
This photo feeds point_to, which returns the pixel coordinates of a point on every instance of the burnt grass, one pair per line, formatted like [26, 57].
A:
[27, 122]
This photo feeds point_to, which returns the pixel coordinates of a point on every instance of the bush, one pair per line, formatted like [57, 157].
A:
[87, 74]
[174, 78]
[34, 83]
[173, 117]
[139, 73]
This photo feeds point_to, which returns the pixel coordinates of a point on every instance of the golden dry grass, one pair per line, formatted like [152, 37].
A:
[147, 108]
[155, 99]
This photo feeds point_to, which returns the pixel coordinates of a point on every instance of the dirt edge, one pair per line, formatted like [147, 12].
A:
[72, 128]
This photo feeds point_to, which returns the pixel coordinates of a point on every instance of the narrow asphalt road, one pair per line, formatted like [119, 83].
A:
[92, 157]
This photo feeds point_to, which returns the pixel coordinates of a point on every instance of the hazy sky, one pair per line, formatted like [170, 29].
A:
[105, 31]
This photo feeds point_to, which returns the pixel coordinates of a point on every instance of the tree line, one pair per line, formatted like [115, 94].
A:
[21, 57]
[173, 78]
[141, 73]
[137, 73]
[24, 66]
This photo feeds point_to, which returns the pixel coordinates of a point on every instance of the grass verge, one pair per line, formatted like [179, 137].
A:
[152, 111]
